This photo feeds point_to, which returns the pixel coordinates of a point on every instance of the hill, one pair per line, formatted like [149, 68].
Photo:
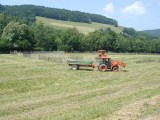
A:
[155, 32]
[28, 12]
[36, 89]
[15, 35]
[82, 27]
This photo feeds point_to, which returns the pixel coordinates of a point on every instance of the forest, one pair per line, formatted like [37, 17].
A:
[28, 13]
[17, 33]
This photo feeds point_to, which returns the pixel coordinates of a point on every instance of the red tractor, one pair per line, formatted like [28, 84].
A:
[106, 63]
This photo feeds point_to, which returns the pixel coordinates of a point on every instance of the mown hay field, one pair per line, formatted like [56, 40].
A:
[84, 28]
[38, 89]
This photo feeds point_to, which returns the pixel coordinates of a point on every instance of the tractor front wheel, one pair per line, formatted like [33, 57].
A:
[115, 68]
[102, 67]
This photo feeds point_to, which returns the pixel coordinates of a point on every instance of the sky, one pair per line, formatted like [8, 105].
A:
[138, 14]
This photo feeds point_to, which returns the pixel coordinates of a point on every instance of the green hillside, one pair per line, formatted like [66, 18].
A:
[28, 13]
[82, 27]
[155, 32]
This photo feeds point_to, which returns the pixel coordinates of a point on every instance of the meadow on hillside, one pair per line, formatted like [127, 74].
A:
[31, 88]
[81, 27]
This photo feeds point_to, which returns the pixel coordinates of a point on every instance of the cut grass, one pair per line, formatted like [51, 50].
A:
[82, 27]
[151, 108]
[38, 89]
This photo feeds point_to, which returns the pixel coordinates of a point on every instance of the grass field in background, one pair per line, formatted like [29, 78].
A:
[38, 89]
[82, 27]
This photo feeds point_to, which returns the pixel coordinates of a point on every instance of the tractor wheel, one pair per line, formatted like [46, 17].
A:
[102, 67]
[115, 68]
[74, 67]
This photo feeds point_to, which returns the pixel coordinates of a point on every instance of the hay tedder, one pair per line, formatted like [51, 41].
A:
[105, 63]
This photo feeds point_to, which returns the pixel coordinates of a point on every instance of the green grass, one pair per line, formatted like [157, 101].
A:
[38, 89]
[82, 27]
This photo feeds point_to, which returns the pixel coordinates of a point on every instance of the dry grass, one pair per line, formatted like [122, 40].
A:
[137, 110]
[37, 89]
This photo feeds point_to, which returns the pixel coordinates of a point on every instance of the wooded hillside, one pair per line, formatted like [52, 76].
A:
[21, 33]
[155, 32]
[28, 13]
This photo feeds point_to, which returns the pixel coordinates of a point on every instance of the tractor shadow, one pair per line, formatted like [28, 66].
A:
[123, 70]
[85, 69]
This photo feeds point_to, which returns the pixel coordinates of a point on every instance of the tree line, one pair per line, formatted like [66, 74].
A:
[28, 13]
[16, 35]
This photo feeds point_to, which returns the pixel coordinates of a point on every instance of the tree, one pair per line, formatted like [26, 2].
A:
[102, 39]
[5, 45]
[94, 41]
[122, 44]
[69, 40]
[129, 31]
[28, 17]
[111, 37]
[5, 19]
[2, 8]
[44, 37]
[154, 46]
[139, 46]
[18, 36]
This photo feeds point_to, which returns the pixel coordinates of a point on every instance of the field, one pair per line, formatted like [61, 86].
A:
[82, 27]
[31, 88]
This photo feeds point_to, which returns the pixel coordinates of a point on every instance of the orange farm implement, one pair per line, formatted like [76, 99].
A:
[105, 63]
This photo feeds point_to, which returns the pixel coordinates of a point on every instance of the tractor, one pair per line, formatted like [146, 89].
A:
[105, 63]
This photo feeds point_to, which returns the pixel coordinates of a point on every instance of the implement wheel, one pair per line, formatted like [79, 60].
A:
[74, 67]
[102, 67]
[115, 68]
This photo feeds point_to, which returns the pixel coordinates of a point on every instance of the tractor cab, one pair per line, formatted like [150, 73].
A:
[104, 60]
[102, 54]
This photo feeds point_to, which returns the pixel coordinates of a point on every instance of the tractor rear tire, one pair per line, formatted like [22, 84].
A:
[102, 67]
[115, 68]
[74, 67]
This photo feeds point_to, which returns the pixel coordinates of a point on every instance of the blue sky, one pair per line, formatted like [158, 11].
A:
[139, 14]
